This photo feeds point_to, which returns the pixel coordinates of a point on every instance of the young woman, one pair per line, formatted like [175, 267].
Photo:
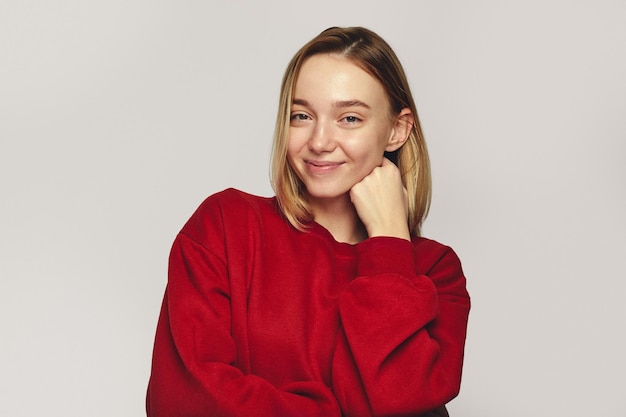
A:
[324, 300]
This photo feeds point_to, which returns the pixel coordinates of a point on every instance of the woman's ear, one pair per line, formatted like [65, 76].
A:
[401, 129]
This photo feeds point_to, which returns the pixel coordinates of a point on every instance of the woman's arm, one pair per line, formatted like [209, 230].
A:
[194, 370]
[404, 322]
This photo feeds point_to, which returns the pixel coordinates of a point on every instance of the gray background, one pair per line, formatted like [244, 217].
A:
[117, 118]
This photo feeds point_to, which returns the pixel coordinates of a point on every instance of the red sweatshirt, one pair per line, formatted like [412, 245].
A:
[262, 320]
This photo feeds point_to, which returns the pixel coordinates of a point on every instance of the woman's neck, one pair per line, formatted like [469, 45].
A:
[339, 217]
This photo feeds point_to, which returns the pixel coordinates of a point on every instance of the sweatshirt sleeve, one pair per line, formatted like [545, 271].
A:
[194, 370]
[404, 320]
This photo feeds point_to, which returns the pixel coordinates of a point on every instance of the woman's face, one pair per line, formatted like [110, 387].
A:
[340, 126]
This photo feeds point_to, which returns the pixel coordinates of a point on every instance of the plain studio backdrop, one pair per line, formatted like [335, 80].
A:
[118, 118]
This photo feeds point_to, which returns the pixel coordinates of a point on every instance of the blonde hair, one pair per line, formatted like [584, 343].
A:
[370, 52]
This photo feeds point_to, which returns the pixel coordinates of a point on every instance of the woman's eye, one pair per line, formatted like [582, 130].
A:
[299, 117]
[351, 119]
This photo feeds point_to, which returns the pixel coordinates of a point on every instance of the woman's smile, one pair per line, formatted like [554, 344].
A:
[322, 167]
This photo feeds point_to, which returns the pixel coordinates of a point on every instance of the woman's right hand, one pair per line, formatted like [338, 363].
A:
[381, 202]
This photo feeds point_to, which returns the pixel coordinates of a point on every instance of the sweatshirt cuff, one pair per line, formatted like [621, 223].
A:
[384, 255]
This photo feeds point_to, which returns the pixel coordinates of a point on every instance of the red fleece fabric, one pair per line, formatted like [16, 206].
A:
[260, 319]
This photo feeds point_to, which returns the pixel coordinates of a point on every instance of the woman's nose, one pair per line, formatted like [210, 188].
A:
[321, 139]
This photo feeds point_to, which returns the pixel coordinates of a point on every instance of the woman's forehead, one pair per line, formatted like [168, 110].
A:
[336, 80]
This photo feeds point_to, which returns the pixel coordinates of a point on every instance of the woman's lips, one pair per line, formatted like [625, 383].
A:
[322, 167]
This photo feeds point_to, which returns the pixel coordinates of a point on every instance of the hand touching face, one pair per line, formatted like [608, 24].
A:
[381, 202]
[341, 124]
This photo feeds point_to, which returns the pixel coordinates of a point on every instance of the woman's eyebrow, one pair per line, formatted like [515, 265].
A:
[351, 103]
[300, 102]
[337, 104]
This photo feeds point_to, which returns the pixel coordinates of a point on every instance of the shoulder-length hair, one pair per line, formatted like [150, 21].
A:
[371, 53]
